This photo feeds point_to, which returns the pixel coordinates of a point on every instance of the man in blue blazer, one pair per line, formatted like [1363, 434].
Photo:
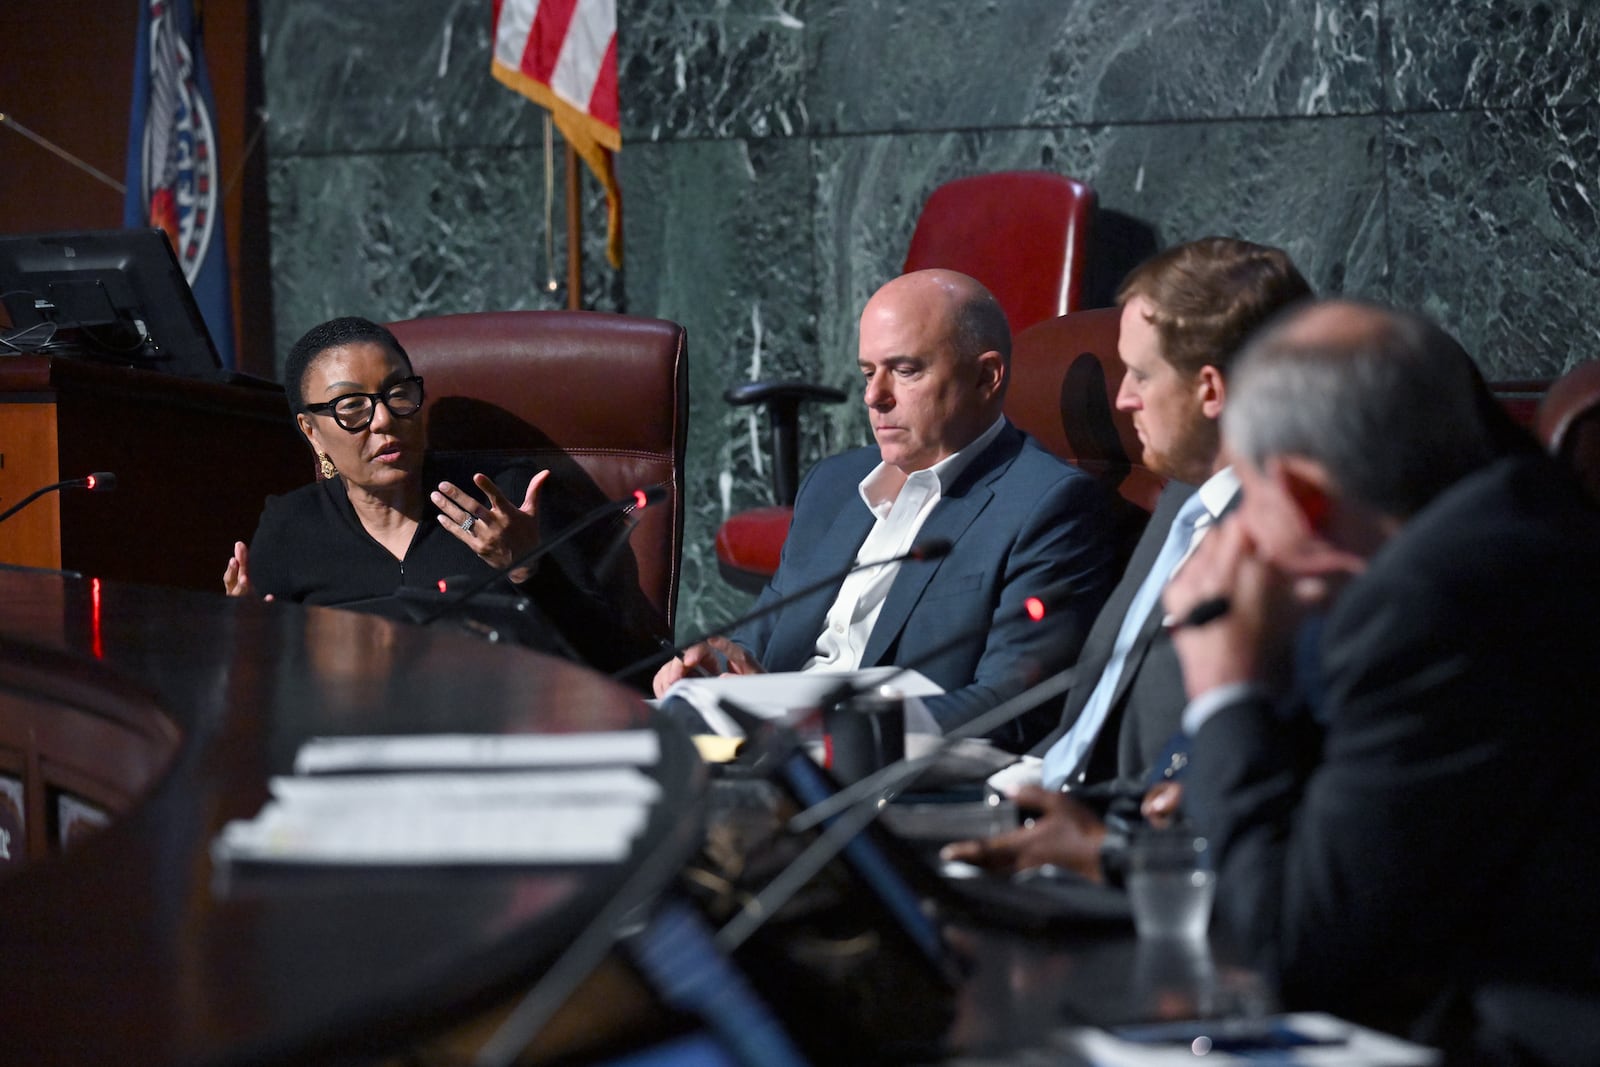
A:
[934, 354]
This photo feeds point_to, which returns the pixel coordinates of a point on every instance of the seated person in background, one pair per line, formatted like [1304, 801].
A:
[371, 524]
[1400, 800]
[1185, 313]
[935, 351]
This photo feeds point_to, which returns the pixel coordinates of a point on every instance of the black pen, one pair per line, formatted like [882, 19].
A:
[1208, 610]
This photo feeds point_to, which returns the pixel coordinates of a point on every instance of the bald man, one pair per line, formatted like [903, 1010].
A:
[934, 354]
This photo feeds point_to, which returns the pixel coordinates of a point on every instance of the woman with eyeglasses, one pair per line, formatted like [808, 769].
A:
[379, 518]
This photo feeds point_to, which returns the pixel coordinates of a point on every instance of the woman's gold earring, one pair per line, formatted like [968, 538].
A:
[325, 465]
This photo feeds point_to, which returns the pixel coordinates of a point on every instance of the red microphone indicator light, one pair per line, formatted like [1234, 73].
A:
[650, 494]
[1034, 607]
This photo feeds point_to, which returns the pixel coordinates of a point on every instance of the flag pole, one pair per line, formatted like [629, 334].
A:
[50, 146]
[574, 232]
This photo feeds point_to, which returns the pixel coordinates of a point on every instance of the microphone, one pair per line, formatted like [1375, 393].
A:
[98, 482]
[931, 549]
[764, 735]
[849, 811]
[638, 500]
[1036, 607]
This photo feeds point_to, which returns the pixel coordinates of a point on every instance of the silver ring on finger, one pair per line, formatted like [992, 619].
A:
[469, 522]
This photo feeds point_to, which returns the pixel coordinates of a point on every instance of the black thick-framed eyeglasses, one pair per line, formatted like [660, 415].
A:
[353, 411]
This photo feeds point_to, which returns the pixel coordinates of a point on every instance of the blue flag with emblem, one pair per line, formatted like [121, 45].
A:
[173, 181]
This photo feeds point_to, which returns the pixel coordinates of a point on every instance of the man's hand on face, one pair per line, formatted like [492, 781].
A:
[1063, 833]
[1235, 647]
[1252, 640]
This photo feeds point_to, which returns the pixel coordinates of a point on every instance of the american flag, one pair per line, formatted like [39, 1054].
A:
[562, 55]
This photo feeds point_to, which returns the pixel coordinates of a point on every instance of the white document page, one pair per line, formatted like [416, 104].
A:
[328, 755]
[539, 817]
[777, 695]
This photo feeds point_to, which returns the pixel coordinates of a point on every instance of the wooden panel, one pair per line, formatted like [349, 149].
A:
[194, 461]
[31, 537]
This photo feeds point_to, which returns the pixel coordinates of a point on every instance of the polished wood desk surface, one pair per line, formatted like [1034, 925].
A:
[134, 948]
[1026, 990]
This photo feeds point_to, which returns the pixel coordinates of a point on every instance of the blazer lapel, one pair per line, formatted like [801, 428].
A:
[1102, 639]
[950, 519]
[795, 638]
[1152, 624]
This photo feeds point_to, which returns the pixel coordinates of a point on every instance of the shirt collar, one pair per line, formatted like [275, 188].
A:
[1217, 492]
[881, 486]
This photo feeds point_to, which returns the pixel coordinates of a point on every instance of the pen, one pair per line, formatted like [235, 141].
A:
[1208, 610]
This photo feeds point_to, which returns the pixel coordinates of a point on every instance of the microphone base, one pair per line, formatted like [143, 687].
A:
[824, 957]
[494, 617]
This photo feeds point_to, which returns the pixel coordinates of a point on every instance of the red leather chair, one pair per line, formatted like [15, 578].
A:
[600, 399]
[1023, 234]
[1569, 422]
[1065, 374]
[1521, 398]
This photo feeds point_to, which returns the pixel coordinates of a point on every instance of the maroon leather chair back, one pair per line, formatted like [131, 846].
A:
[1569, 421]
[1065, 374]
[1023, 234]
[1569, 400]
[600, 399]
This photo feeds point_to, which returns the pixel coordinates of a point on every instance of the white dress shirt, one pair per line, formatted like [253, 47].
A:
[1064, 762]
[902, 504]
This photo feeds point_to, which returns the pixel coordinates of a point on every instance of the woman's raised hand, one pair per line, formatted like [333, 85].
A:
[236, 576]
[501, 533]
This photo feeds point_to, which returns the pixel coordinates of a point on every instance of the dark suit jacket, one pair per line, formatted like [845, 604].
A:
[1439, 854]
[1147, 706]
[1020, 522]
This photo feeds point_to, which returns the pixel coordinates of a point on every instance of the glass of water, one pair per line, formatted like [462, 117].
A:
[1170, 883]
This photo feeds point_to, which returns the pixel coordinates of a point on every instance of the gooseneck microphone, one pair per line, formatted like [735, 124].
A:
[852, 809]
[846, 813]
[638, 500]
[933, 548]
[98, 482]
[780, 731]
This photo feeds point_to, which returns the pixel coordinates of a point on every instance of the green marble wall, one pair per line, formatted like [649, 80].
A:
[1438, 154]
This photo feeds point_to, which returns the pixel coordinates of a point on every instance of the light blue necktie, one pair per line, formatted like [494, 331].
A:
[1069, 750]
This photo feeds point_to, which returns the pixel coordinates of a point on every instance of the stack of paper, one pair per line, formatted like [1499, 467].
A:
[781, 694]
[454, 799]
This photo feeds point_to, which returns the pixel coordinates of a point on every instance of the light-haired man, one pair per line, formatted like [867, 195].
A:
[1185, 313]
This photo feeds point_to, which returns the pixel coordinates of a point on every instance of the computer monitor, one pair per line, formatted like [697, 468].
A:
[112, 295]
